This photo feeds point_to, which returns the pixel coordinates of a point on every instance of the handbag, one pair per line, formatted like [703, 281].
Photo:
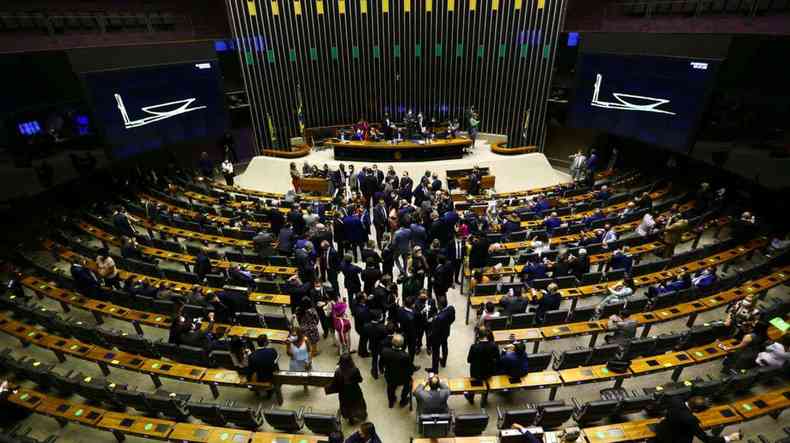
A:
[331, 388]
[618, 366]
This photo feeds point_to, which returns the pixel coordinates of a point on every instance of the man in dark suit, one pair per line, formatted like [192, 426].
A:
[370, 185]
[296, 220]
[483, 359]
[407, 320]
[355, 233]
[120, 220]
[202, 264]
[380, 220]
[285, 240]
[456, 252]
[376, 331]
[515, 304]
[405, 188]
[440, 333]
[442, 276]
[263, 244]
[362, 316]
[263, 362]
[398, 371]
[681, 426]
[478, 253]
[329, 264]
[436, 184]
[379, 174]
[550, 301]
[85, 281]
[276, 220]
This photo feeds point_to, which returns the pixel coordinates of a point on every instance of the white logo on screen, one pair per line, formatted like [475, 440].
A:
[177, 107]
[699, 65]
[628, 102]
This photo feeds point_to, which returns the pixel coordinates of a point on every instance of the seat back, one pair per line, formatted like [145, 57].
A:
[594, 411]
[568, 281]
[243, 416]
[323, 424]
[276, 321]
[467, 425]
[604, 353]
[434, 425]
[524, 417]
[523, 320]
[539, 362]
[583, 313]
[496, 323]
[283, 420]
[572, 359]
[555, 317]
[554, 416]
[633, 405]
[639, 347]
[207, 412]
[169, 404]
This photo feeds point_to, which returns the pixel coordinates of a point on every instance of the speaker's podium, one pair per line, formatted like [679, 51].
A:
[405, 150]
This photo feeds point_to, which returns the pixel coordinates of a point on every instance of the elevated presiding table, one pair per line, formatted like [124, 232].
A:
[442, 149]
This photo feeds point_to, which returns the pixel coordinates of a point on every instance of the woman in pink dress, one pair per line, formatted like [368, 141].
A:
[342, 324]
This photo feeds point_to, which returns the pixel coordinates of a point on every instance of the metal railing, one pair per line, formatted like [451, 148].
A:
[99, 22]
[693, 8]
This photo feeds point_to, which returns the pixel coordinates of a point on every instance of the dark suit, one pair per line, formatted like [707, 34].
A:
[263, 363]
[329, 265]
[407, 320]
[380, 221]
[285, 240]
[202, 265]
[297, 221]
[456, 252]
[375, 331]
[440, 332]
[398, 371]
[478, 254]
[549, 302]
[681, 426]
[483, 359]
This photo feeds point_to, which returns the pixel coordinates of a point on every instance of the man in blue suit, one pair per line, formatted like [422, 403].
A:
[356, 235]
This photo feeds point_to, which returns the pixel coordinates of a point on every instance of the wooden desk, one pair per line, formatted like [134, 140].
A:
[193, 235]
[613, 209]
[486, 182]
[639, 430]
[200, 433]
[263, 194]
[99, 308]
[186, 258]
[591, 374]
[403, 151]
[122, 424]
[315, 185]
[255, 297]
[125, 424]
[767, 403]
[220, 220]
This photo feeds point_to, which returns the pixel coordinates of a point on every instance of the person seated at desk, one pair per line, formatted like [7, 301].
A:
[621, 259]
[603, 193]
[595, 216]
[514, 361]
[238, 274]
[512, 224]
[514, 302]
[609, 236]
[535, 268]
[85, 281]
[618, 293]
[552, 222]
[263, 363]
[580, 264]
[624, 329]
[489, 311]
[705, 279]
[365, 434]
[587, 238]
[541, 203]
[432, 396]
[775, 355]
[549, 301]
[678, 283]
[680, 425]
[526, 436]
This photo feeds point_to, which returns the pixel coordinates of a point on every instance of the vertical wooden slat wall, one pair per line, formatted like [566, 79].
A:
[357, 59]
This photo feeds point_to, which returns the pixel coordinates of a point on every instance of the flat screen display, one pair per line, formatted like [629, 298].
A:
[144, 109]
[657, 100]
